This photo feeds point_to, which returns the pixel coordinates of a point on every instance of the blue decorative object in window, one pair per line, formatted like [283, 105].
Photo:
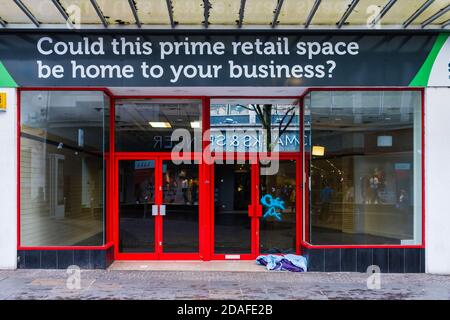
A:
[272, 204]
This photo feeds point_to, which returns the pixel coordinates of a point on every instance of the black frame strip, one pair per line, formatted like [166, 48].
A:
[383, 12]
[135, 13]
[277, 13]
[347, 13]
[99, 13]
[312, 13]
[241, 13]
[3, 23]
[446, 24]
[206, 7]
[417, 13]
[170, 10]
[63, 11]
[27, 12]
[435, 16]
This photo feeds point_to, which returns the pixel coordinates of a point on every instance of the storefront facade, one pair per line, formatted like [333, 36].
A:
[137, 202]
[225, 145]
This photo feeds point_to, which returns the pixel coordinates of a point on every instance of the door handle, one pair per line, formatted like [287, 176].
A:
[255, 211]
[162, 210]
[251, 210]
[154, 210]
[259, 211]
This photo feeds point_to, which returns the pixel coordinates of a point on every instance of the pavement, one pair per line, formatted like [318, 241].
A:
[229, 285]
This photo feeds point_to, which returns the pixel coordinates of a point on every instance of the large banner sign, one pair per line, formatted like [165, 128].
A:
[69, 59]
[436, 70]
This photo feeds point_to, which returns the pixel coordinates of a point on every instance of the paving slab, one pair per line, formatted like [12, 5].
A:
[114, 284]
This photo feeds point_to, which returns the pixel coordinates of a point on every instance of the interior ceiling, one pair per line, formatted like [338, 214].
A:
[209, 91]
[225, 14]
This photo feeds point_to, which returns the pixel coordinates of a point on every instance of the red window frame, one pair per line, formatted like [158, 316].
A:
[107, 223]
[306, 212]
[206, 247]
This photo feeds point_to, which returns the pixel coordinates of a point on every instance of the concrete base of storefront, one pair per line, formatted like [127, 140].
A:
[62, 259]
[201, 266]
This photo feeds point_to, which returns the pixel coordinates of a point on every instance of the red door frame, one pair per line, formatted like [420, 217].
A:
[255, 209]
[158, 157]
[253, 204]
[206, 190]
[159, 253]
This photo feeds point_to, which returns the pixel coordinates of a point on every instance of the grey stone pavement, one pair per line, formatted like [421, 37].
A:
[101, 284]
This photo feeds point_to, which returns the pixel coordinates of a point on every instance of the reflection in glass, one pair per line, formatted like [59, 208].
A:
[254, 125]
[232, 195]
[62, 169]
[147, 125]
[180, 196]
[366, 184]
[277, 228]
[136, 198]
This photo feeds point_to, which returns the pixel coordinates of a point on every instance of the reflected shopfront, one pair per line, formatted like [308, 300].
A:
[258, 155]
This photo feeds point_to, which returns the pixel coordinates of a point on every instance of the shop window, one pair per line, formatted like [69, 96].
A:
[256, 125]
[62, 167]
[363, 152]
[150, 125]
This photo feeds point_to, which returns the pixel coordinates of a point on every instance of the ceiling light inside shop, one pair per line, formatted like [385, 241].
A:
[195, 124]
[384, 141]
[158, 124]
[318, 151]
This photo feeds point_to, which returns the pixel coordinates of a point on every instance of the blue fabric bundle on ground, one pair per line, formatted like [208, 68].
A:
[288, 262]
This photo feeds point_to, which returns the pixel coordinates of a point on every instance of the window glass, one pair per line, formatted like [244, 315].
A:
[151, 125]
[363, 151]
[136, 199]
[278, 198]
[232, 196]
[62, 169]
[242, 125]
[181, 198]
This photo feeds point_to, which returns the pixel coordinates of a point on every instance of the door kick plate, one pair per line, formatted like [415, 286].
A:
[232, 256]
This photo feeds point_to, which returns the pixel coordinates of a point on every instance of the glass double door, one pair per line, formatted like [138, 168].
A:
[158, 209]
[255, 209]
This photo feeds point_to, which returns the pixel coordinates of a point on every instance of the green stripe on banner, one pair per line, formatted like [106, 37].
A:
[6, 81]
[422, 77]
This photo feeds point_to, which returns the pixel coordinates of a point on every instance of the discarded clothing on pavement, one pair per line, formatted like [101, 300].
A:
[288, 262]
